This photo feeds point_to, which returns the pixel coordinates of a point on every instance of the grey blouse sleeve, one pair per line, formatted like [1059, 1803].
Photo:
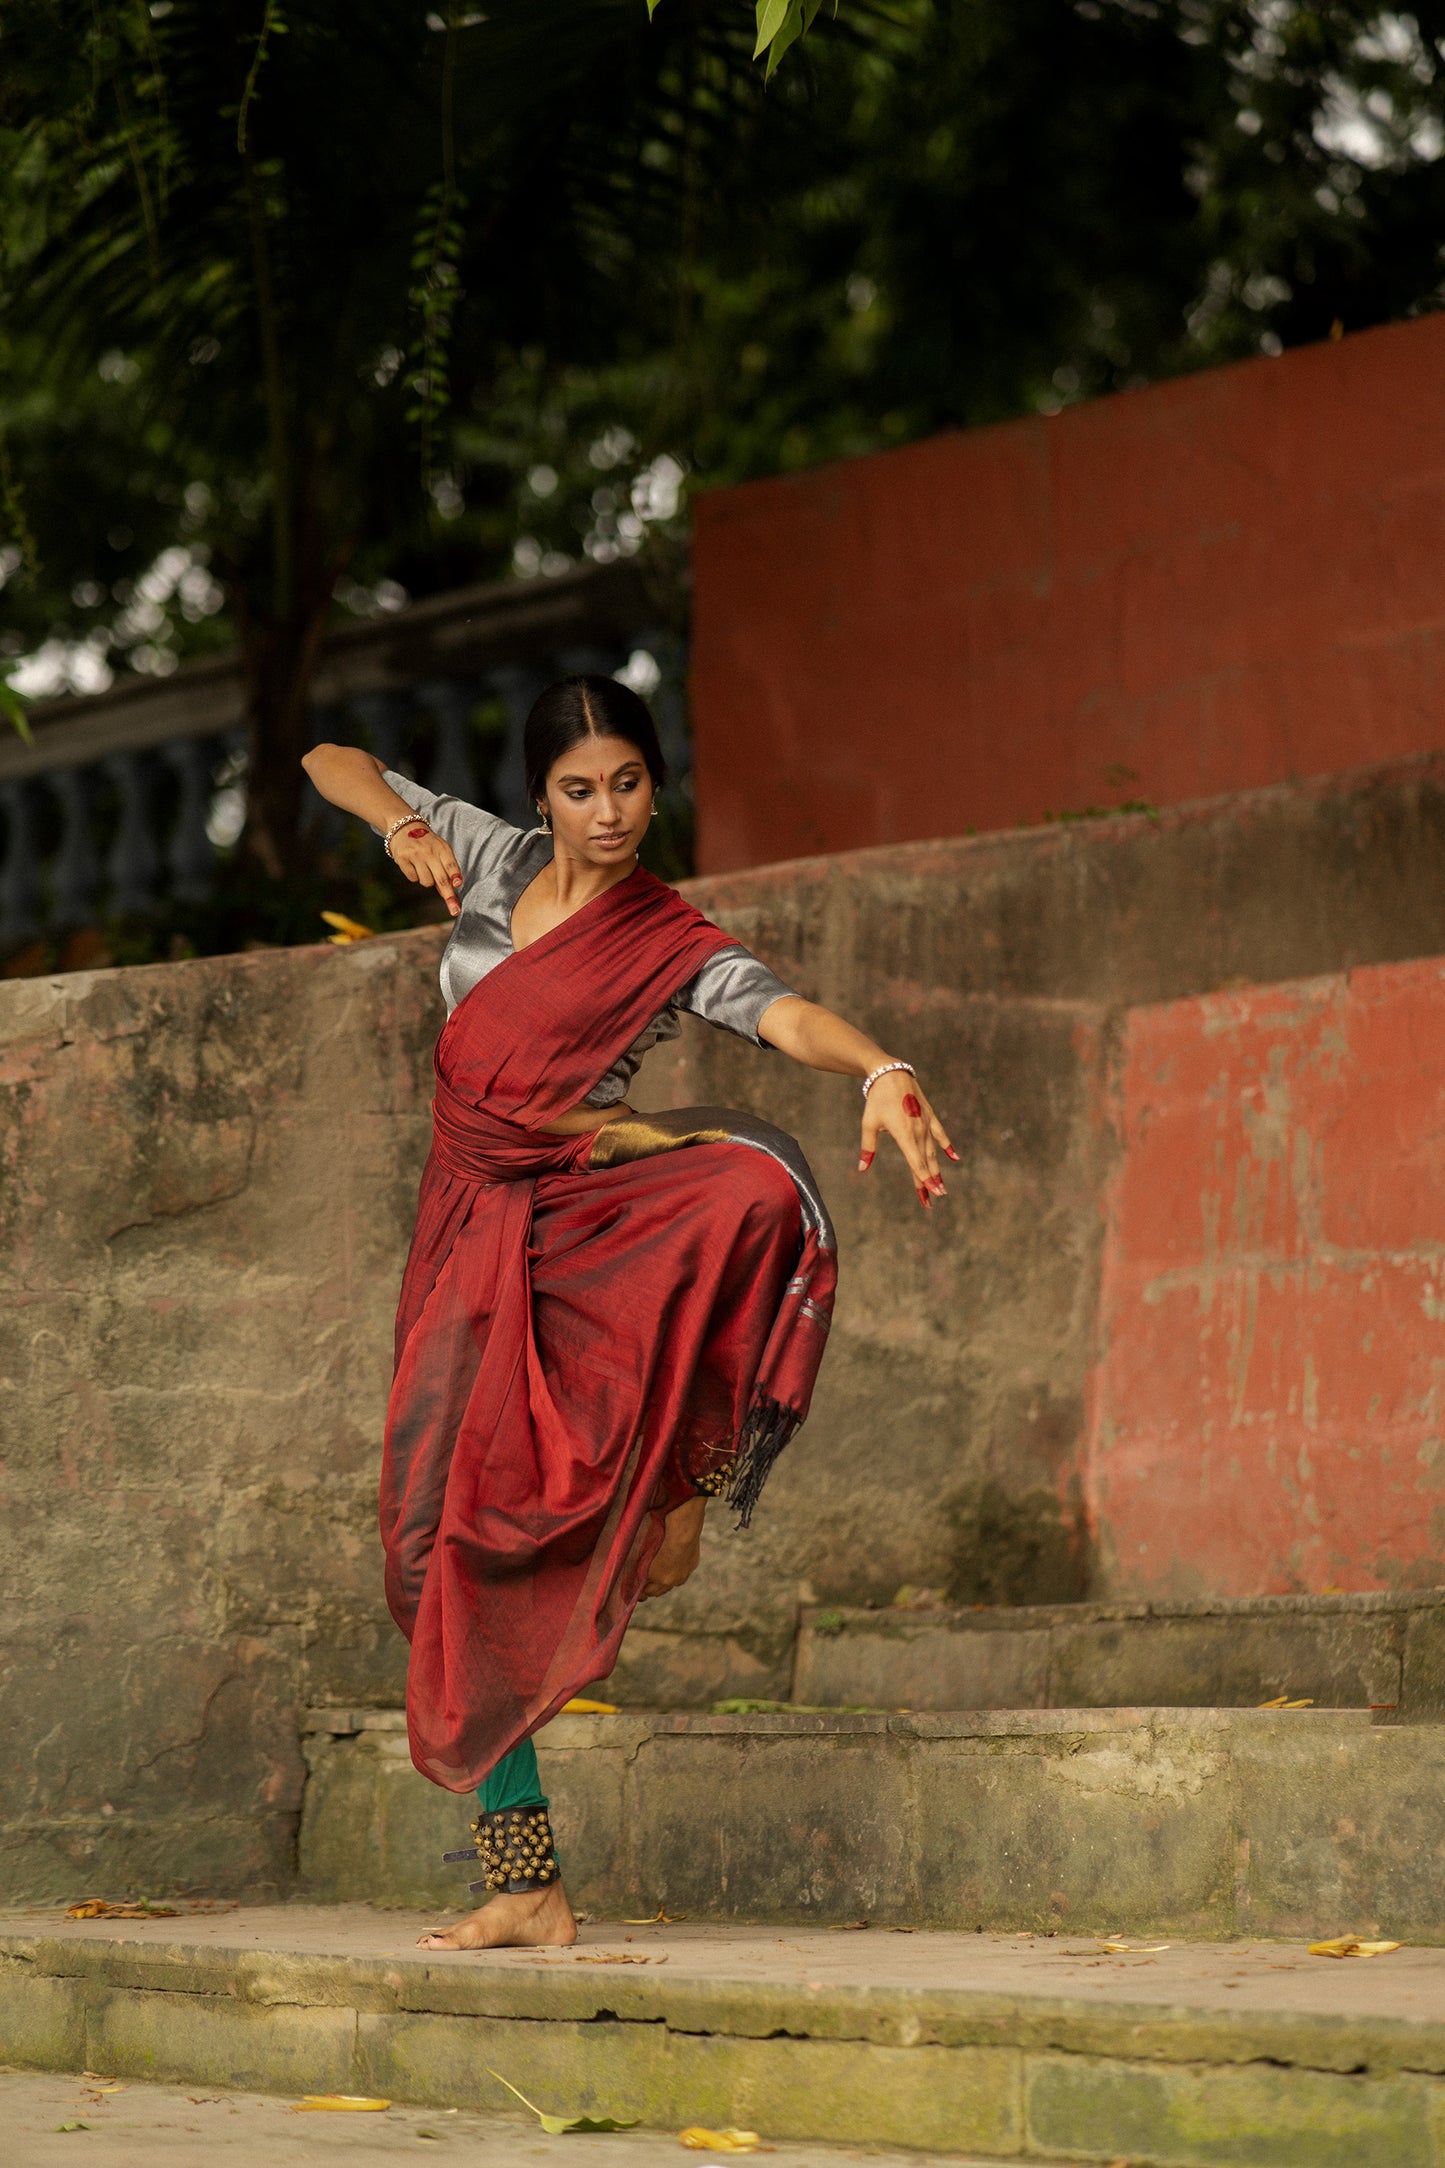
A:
[475, 836]
[732, 990]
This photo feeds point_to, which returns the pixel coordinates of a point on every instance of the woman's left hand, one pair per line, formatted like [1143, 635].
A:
[896, 1106]
[676, 1559]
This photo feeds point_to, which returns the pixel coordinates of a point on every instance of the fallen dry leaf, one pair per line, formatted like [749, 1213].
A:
[1282, 1701]
[343, 2103]
[558, 2126]
[660, 1918]
[612, 1957]
[100, 1908]
[1137, 1949]
[720, 2141]
[347, 929]
[1351, 1946]
[589, 1708]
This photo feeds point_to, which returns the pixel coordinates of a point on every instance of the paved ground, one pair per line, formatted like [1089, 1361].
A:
[1238, 1976]
[166, 2126]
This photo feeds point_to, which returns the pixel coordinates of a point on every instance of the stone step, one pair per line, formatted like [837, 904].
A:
[1184, 1821]
[1341, 1651]
[150, 2125]
[1045, 2048]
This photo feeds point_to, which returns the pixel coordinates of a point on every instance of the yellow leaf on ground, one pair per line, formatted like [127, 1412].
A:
[1278, 1702]
[343, 2103]
[719, 2141]
[347, 929]
[1351, 1946]
[100, 1908]
[589, 1708]
[1137, 1949]
[660, 1918]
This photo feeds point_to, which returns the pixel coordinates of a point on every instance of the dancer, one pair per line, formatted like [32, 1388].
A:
[606, 1317]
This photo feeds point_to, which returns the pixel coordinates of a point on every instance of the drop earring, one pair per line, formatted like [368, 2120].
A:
[544, 822]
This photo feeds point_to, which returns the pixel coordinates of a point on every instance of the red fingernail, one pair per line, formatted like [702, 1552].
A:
[936, 1185]
[950, 1151]
[924, 1198]
[865, 1162]
[911, 1105]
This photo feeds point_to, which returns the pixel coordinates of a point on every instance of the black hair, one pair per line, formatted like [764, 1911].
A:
[586, 707]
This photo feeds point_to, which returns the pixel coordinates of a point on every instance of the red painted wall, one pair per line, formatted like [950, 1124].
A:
[1268, 1409]
[1228, 580]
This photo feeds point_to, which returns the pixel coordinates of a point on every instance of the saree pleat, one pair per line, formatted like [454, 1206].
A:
[586, 1335]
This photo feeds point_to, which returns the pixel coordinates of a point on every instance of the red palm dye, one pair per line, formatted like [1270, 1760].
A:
[572, 1346]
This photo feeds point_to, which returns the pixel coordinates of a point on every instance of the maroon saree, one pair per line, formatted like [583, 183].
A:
[591, 1329]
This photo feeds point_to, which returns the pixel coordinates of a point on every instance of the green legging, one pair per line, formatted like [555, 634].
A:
[514, 1782]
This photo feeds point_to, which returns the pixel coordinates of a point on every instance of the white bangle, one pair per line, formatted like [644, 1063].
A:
[883, 1070]
[391, 831]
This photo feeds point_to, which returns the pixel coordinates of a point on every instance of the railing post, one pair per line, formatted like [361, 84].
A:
[134, 864]
[382, 717]
[449, 702]
[325, 822]
[20, 891]
[191, 856]
[517, 685]
[75, 874]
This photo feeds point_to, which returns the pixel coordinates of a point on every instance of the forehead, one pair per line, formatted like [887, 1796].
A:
[597, 756]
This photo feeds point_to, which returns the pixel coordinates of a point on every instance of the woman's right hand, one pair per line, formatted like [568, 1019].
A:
[425, 859]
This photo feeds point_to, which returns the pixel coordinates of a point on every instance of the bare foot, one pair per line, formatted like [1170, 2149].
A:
[542, 1919]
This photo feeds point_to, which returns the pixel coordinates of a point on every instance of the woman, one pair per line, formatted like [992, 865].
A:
[606, 1317]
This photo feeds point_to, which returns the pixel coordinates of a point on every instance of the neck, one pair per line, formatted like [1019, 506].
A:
[575, 881]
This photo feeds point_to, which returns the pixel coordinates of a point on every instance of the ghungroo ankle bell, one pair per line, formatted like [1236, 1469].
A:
[516, 1850]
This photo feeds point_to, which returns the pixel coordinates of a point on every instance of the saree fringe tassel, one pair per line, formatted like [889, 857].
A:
[765, 1433]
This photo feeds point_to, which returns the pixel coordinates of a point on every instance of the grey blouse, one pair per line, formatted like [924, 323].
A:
[498, 862]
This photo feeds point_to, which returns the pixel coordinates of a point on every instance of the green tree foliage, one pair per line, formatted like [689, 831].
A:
[305, 296]
[260, 253]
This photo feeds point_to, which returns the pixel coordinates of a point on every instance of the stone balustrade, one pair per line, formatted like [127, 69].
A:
[131, 798]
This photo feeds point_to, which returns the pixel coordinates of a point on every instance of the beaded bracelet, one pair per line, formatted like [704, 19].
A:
[391, 831]
[883, 1070]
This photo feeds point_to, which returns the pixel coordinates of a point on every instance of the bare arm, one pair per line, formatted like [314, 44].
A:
[352, 779]
[896, 1105]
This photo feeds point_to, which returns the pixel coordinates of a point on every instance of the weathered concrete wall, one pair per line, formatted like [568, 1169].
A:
[1268, 1405]
[961, 1352]
[208, 1175]
[1211, 584]
[206, 1190]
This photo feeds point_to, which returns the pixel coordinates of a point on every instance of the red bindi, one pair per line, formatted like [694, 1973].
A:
[910, 1105]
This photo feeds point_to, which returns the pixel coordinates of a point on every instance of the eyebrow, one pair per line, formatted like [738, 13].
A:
[622, 770]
